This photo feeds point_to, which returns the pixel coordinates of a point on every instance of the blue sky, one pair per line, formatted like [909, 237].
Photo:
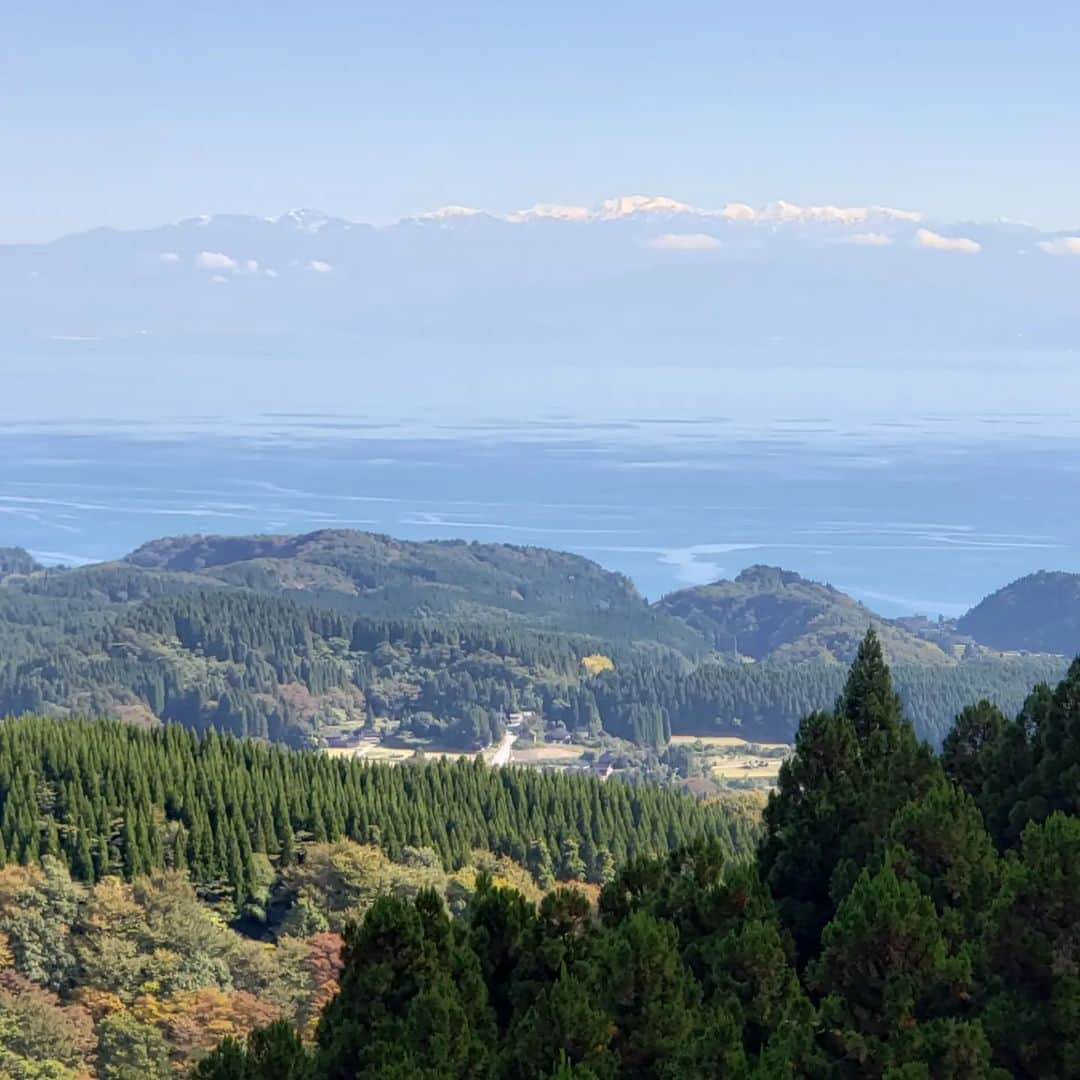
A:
[131, 114]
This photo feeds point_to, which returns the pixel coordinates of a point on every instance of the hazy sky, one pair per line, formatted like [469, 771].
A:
[131, 114]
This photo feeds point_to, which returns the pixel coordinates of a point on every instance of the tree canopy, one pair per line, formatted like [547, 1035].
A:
[907, 915]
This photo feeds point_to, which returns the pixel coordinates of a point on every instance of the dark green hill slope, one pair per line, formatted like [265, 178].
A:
[1037, 613]
[263, 665]
[379, 576]
[769, 613]
[404, 574]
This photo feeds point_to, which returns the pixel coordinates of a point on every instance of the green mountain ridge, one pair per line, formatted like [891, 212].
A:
[386, 571]
[292, 638]
[379, 576]
[770, 613]
[1037, 613]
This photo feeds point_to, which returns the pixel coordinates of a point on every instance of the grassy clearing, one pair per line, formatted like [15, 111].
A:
[387, 753]
[740, 767]
[541, 755]
[723, 742]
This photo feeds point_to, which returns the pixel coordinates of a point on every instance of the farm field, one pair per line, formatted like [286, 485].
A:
[562, 754]
[725, 741]
[736, 761]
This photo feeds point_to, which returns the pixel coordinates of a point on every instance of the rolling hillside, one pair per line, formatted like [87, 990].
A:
[379, 576]
[770, 613]
[320, 637]
[1037, 613]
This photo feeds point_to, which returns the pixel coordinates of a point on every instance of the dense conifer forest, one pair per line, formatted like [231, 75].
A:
[159, 889]
[175, 903]
[907, 915]
[110, 799]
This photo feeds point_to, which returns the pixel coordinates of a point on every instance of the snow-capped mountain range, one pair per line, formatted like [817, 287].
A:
[629, 206]
[635, 273]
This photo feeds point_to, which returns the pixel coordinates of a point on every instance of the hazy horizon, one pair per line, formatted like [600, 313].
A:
[682, 258]
[129, 117]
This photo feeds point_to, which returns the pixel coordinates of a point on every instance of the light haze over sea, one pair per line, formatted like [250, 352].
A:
[917, 490]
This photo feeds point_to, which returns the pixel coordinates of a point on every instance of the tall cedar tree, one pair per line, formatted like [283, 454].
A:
[851, 770]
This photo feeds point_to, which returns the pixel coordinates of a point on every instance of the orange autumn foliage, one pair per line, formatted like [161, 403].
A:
[196, 1021]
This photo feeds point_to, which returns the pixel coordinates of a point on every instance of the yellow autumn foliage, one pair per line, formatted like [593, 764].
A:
[596, 663]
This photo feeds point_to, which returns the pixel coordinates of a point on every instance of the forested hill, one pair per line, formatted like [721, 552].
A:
[379, 576]
[770, 613]
[399, 577]
[1038, 613]
[296, 639]
[765, 613]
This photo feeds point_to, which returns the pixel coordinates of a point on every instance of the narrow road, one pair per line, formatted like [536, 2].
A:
[502, 755]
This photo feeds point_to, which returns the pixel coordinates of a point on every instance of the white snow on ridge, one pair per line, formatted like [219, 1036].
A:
[310, 221]
[445, 213]
[551, 212]
[629, 205]
[618, 208]
[622, 207]
[833, 215]
[738, 212]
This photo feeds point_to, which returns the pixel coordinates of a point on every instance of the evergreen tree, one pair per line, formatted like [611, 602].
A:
[1033, 956]
[868, 700]
[411, 993]
[850, 772]
[648, 992]
[890, 986]
[277, 1053]
[964, 752]
[940, 843]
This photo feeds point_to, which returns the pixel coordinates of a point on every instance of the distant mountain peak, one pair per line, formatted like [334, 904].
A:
[627, 205]
[304, 219]
[783, 280]
[769, 613]
[1039, 612]
[768, 576]
[785, 212]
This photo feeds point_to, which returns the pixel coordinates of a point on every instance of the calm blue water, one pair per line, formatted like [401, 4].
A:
[908, 517]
